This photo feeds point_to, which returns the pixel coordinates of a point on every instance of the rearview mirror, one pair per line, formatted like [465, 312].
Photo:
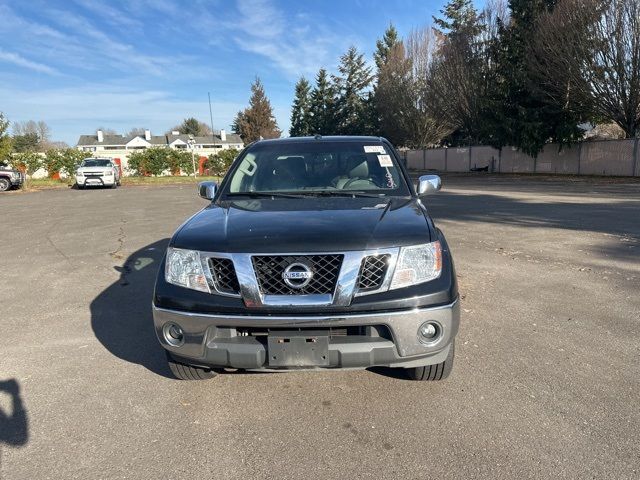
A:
[207, 190]
[428, 184]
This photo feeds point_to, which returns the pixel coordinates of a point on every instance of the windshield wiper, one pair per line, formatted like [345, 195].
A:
[344, 193]
[264, 195]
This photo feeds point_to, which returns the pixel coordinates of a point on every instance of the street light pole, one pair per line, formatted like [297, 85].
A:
[192, 143]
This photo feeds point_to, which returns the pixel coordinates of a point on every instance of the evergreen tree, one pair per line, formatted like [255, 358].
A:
[353, 107]
[460, 72]
[5, 139]
[191, 126]
[459, 19]
[322, 108]
[394, 96]
[384, 45]
[523, 116]
[257, 120]
[300, 112]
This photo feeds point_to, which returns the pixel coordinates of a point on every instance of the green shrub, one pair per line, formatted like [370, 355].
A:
[152, 161]
[219, 163]
[28, 162]
[63, 160]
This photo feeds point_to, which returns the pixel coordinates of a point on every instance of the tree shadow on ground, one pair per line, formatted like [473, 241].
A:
[121, 316]
[614, 217]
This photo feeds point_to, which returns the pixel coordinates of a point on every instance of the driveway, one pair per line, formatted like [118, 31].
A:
[546, 380]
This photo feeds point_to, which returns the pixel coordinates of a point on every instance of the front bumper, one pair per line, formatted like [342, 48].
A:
[211, 339]
[95, 180]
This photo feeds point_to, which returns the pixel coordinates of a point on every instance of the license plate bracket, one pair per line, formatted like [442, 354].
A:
[298, 349]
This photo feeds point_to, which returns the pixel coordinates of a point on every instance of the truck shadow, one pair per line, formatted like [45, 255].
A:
[14, 426]
[14, 422]
[121, 316]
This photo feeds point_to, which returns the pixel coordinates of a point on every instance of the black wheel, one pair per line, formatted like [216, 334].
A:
[439, 371]
[115, 185]
[5, 184]
[182, 371]
[80, 187]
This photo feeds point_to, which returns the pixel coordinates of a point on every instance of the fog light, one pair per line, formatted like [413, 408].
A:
[428, 332]
[173, 334]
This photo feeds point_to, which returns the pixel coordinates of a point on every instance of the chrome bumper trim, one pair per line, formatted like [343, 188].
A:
[200, 328]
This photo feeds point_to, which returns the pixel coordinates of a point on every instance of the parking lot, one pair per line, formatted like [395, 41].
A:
[546, 381]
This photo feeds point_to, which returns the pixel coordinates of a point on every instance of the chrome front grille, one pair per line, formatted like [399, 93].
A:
[269, 270]
[224, 276]
[373, 272]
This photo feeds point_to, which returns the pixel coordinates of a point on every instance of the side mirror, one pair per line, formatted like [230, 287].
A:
[207, 190]
[428, 184]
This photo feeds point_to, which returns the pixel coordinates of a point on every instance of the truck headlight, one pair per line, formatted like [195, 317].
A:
[79, 173]
[184, 268]
[417, 264]
[108, 173]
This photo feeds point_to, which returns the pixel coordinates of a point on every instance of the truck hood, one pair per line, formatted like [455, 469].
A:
[314, 224]
[94, 169]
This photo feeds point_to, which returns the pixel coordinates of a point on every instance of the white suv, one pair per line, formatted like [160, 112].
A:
[98, 172]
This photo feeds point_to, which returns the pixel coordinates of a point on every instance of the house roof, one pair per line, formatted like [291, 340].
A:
[121, 140]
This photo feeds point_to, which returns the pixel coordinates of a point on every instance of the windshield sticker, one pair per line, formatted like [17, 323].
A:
[385, 161]
[374, 149]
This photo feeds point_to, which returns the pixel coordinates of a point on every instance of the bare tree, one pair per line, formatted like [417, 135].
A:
[135, 131]
[588, 54]
[424, 128]
[38, 130]
[107, 131]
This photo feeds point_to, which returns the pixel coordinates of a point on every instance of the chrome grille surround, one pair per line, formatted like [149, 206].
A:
[341, 294]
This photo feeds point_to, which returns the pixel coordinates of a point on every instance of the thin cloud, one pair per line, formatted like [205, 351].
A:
[75, 111]
[20, 61]
[291, 42]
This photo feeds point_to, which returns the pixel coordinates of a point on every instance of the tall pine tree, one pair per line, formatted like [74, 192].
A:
[459, 74]
[384, 46]
[523, 115]
[353, 103]
[301, 110]
[257, 120]
[323, 113]
[393, 91]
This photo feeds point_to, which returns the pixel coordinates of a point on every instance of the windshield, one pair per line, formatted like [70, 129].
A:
[96, 163]
[317, 166]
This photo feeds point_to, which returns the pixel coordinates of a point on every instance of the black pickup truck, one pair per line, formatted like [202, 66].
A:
[313, 253]
[9, 177]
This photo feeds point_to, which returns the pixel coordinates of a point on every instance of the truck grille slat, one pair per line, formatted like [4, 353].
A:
[373, 271]
[269, 272]
[224, 275]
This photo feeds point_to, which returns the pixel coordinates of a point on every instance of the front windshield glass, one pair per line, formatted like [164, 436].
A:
[96, 163]
[317, 166]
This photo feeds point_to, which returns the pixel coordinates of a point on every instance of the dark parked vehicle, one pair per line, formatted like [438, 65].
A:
[9, 177]
[313, 253]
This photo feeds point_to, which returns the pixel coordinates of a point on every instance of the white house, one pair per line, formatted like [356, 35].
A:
[119, 146]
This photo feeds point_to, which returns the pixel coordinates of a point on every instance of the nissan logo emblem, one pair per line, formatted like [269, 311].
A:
[297, 275]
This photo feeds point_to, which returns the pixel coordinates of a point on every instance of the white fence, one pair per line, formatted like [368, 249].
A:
[610, 157]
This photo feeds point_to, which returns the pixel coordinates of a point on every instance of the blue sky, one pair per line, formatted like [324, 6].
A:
[80, 64]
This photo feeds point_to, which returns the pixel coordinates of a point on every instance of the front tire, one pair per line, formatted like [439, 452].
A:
[182, 371]
[434, 373]
[5, 184]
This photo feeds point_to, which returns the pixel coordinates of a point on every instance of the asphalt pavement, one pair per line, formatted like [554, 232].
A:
[545, 385]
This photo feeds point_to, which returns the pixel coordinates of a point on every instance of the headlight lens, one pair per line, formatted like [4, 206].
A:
[417, 264]
[184, 268]
[108, 173]
[79, 173]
